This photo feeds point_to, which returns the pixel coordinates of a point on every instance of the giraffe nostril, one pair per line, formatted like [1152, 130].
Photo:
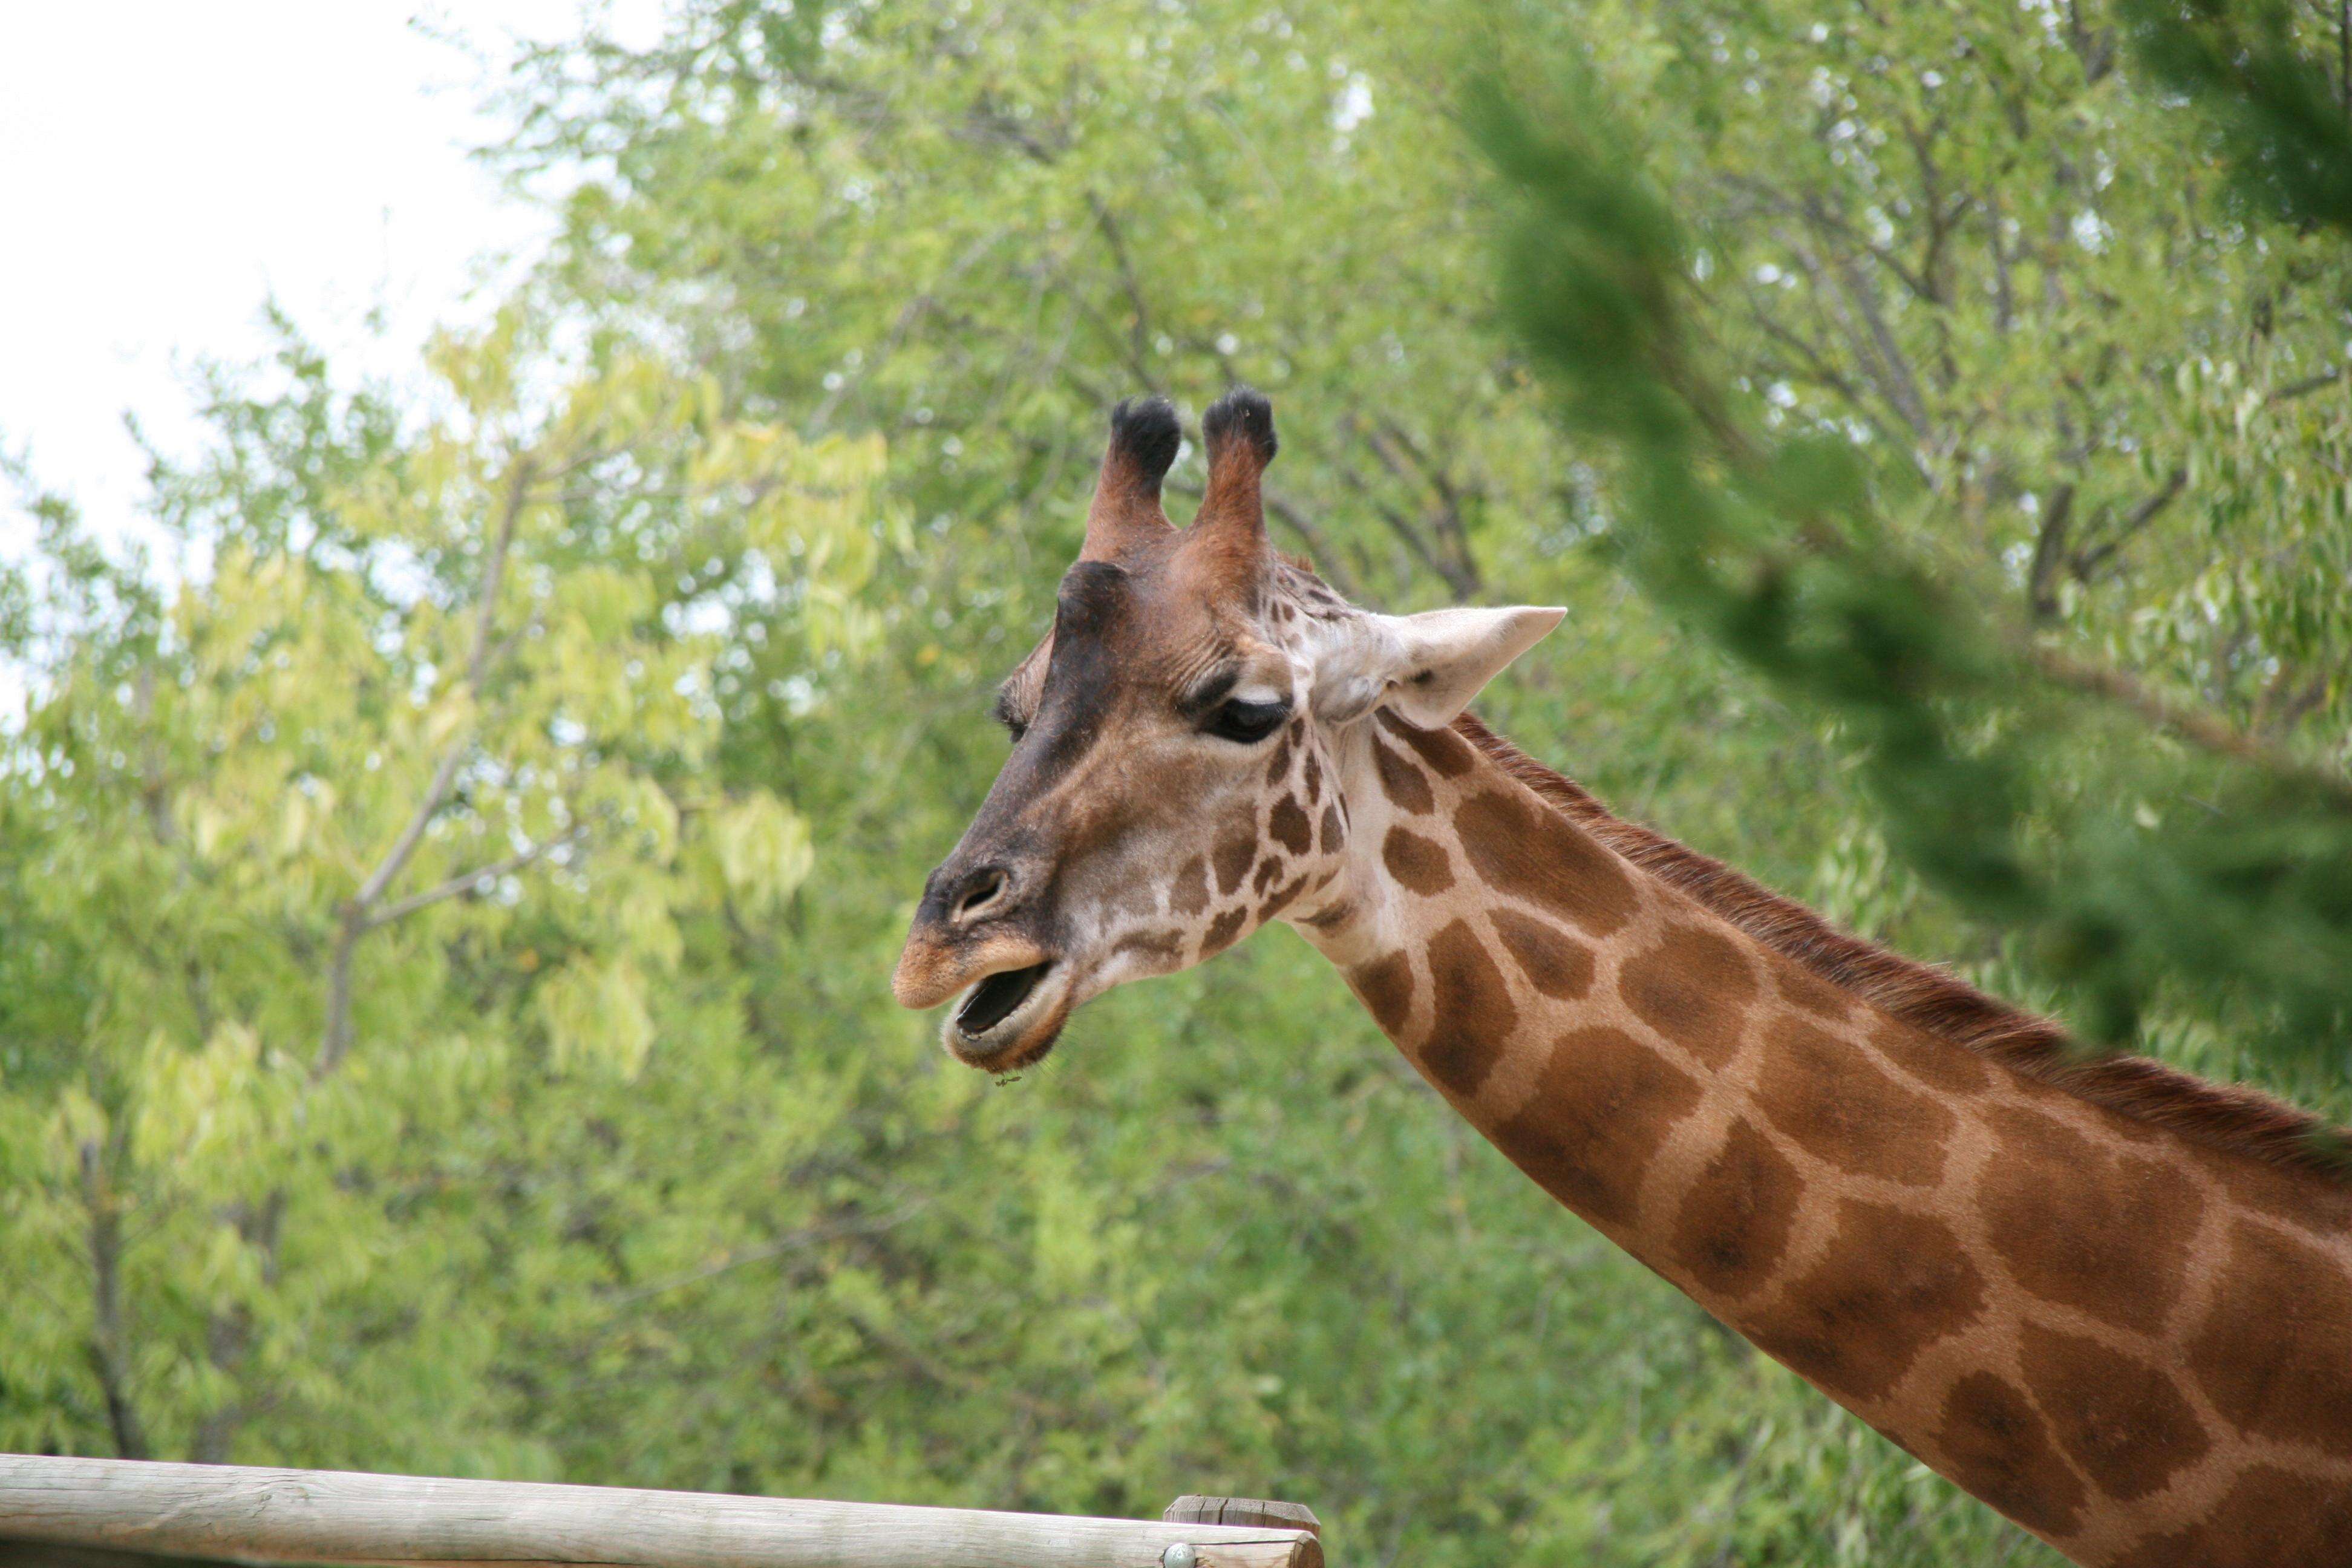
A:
[981, 889]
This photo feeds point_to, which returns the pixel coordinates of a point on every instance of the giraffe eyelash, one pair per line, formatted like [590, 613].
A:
[1002, 711]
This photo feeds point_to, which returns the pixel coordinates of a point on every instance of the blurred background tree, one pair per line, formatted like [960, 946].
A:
[446, 1024]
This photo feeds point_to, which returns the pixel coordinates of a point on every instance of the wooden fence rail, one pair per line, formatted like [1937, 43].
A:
[236, 1513]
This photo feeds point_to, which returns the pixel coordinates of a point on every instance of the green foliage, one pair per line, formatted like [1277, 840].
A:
[308, 860]
[1778, 528]
[585, 1141]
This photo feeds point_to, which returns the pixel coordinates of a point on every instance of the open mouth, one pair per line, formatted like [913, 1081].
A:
[1010, 1018]
[997, 998]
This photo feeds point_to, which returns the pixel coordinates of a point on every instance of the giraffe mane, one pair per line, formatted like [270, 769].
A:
[2220, 1116]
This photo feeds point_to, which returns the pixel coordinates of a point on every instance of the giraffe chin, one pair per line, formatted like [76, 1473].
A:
[1010, 1019]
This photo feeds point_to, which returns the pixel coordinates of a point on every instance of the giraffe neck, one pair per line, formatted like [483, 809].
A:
[2136, 1345]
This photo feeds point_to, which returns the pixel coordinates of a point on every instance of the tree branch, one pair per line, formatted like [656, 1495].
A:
[106, 1339]
[2090, 561]
[354, 922]
[1138, 345]
[2199, 728]
[401, 907]
[2049, 553]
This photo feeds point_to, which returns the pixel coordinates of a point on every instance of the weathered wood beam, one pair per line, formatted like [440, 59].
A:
[236, 1513]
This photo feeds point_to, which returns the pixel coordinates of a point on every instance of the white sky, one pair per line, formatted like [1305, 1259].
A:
[165, 166]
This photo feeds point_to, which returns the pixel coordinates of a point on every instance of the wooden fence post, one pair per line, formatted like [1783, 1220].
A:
[230, 1512]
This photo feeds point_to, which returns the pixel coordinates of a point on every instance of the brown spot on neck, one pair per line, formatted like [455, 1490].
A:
[1995, 1445]
[1840, 1106]
[2116, 1249]
[1440, 749]
[1602, 1106]
[1386, 985]
[1403, 783]
[1695, 987]
[2271, 1517]
[1474, 1014]
[1733, 1225]
[2271, 1353]
[1535, 854]
[1418, 864]
[1555, 963]
[1890, 1284]
[2120, 1418]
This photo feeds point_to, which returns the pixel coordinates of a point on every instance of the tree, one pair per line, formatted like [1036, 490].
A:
[382, 823]
[1813, 532]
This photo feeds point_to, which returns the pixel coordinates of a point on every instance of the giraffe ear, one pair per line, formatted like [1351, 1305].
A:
[1425, 667]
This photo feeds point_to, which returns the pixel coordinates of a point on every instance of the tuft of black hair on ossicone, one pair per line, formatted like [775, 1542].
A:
[1146, 432]
[1245, 412]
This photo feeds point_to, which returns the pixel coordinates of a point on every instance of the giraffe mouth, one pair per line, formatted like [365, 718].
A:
[997, 998]
[1005, 1021]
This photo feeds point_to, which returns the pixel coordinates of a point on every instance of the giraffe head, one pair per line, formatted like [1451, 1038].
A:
[1173, 783]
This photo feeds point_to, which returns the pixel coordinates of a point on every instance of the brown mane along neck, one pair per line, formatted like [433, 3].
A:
[2219, 1116]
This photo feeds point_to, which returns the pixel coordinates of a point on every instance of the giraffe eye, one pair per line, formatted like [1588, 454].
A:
[1247, 722]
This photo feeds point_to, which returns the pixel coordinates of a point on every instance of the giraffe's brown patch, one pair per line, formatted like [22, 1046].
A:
[1601, 1107]
[1474, 1016]
[2118, 1250]
[1995, 1446]
[2270, 1518]
[1694, 987]
[2275, 1353]
[1811, 992]
[1386, 985]
[1313, 778]
[1890, 1284]
[1840, 1106]
[1333, 831]
[2309, 1202]
[1734, 1223]
[1555, 963]
[1939, 1064]
[1234, 856]
[1278, 767]
[1531, 853]
[1420, 863]
[1402, 781]
[1268, 870]
[1291, 826]
[1280, 899]
[1190, 895]
[1444, 749]
[2122, 1419]
[1152, 946]
[1223, 931]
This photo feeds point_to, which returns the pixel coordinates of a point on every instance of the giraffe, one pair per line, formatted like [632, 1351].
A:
[2111, 1301]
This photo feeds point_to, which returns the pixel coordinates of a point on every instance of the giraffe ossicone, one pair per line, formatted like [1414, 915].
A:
[2111, 1302]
